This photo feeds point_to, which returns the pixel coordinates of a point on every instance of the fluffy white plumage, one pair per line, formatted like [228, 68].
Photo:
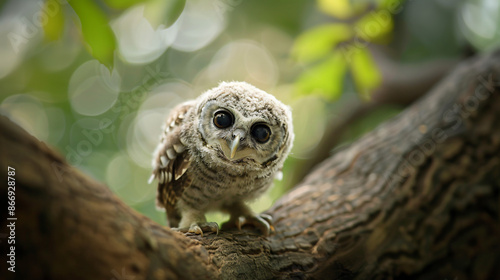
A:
[217, 152]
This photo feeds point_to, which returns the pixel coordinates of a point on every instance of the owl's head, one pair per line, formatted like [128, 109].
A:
[244, 124]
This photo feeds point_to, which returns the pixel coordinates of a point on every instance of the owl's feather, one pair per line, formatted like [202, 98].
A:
[170, 162]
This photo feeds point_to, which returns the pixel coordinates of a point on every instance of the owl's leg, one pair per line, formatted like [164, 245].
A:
[195, 222]
[241, 214]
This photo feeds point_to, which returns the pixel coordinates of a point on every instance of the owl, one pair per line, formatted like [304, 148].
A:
[218, 152]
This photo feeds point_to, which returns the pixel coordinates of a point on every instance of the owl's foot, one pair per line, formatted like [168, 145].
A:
[262, 222]
[199, 228]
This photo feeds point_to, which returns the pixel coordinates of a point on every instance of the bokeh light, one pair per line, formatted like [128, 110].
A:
[19, 32]
[309, 125]
[481, 23]
[242, 61]
[93, 89]
[199, 24]
[28, 112]
[138, 41]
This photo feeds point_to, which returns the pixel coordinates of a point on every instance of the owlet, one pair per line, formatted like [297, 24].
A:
[219, 151]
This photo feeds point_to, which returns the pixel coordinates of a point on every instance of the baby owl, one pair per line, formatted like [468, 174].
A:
[217, 152]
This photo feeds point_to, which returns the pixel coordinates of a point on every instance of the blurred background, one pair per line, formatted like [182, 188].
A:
[95, 79]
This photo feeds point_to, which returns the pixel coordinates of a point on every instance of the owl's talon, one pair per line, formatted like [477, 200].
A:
[209, 227]
[261, 222]
[199, 228]
[240, 222]
[195, 229]
[267, 217]
[269, 220]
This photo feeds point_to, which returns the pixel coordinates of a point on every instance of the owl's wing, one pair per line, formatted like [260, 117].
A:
[170, 162]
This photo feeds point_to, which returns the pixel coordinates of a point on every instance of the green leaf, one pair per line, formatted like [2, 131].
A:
[375, 26]
[123, 4]
[54, 26]
[164, 12]
[326, 78]
[320, 41]
[392, 6]
[100, 39]
[365, 73]
[343, 9]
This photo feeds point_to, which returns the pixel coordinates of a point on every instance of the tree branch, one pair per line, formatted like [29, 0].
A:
[418, 197]
[401, 85]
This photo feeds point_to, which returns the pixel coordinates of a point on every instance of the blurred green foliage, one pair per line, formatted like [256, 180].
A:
[342, 46]
[313, 55]
[95, 19]
[99, 38]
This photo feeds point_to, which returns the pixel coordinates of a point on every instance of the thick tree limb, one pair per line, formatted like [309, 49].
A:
[401, 86]
[418, 197]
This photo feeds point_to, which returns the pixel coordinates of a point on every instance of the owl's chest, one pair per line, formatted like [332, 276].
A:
[211, 188]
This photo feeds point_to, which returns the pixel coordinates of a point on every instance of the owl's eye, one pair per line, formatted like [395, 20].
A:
[223, 119]
[261, 133]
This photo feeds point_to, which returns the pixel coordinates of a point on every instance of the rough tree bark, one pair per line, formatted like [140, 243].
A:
[416, 198]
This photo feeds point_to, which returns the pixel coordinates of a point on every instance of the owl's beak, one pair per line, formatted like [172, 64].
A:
[238, 134]
[234, 145]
